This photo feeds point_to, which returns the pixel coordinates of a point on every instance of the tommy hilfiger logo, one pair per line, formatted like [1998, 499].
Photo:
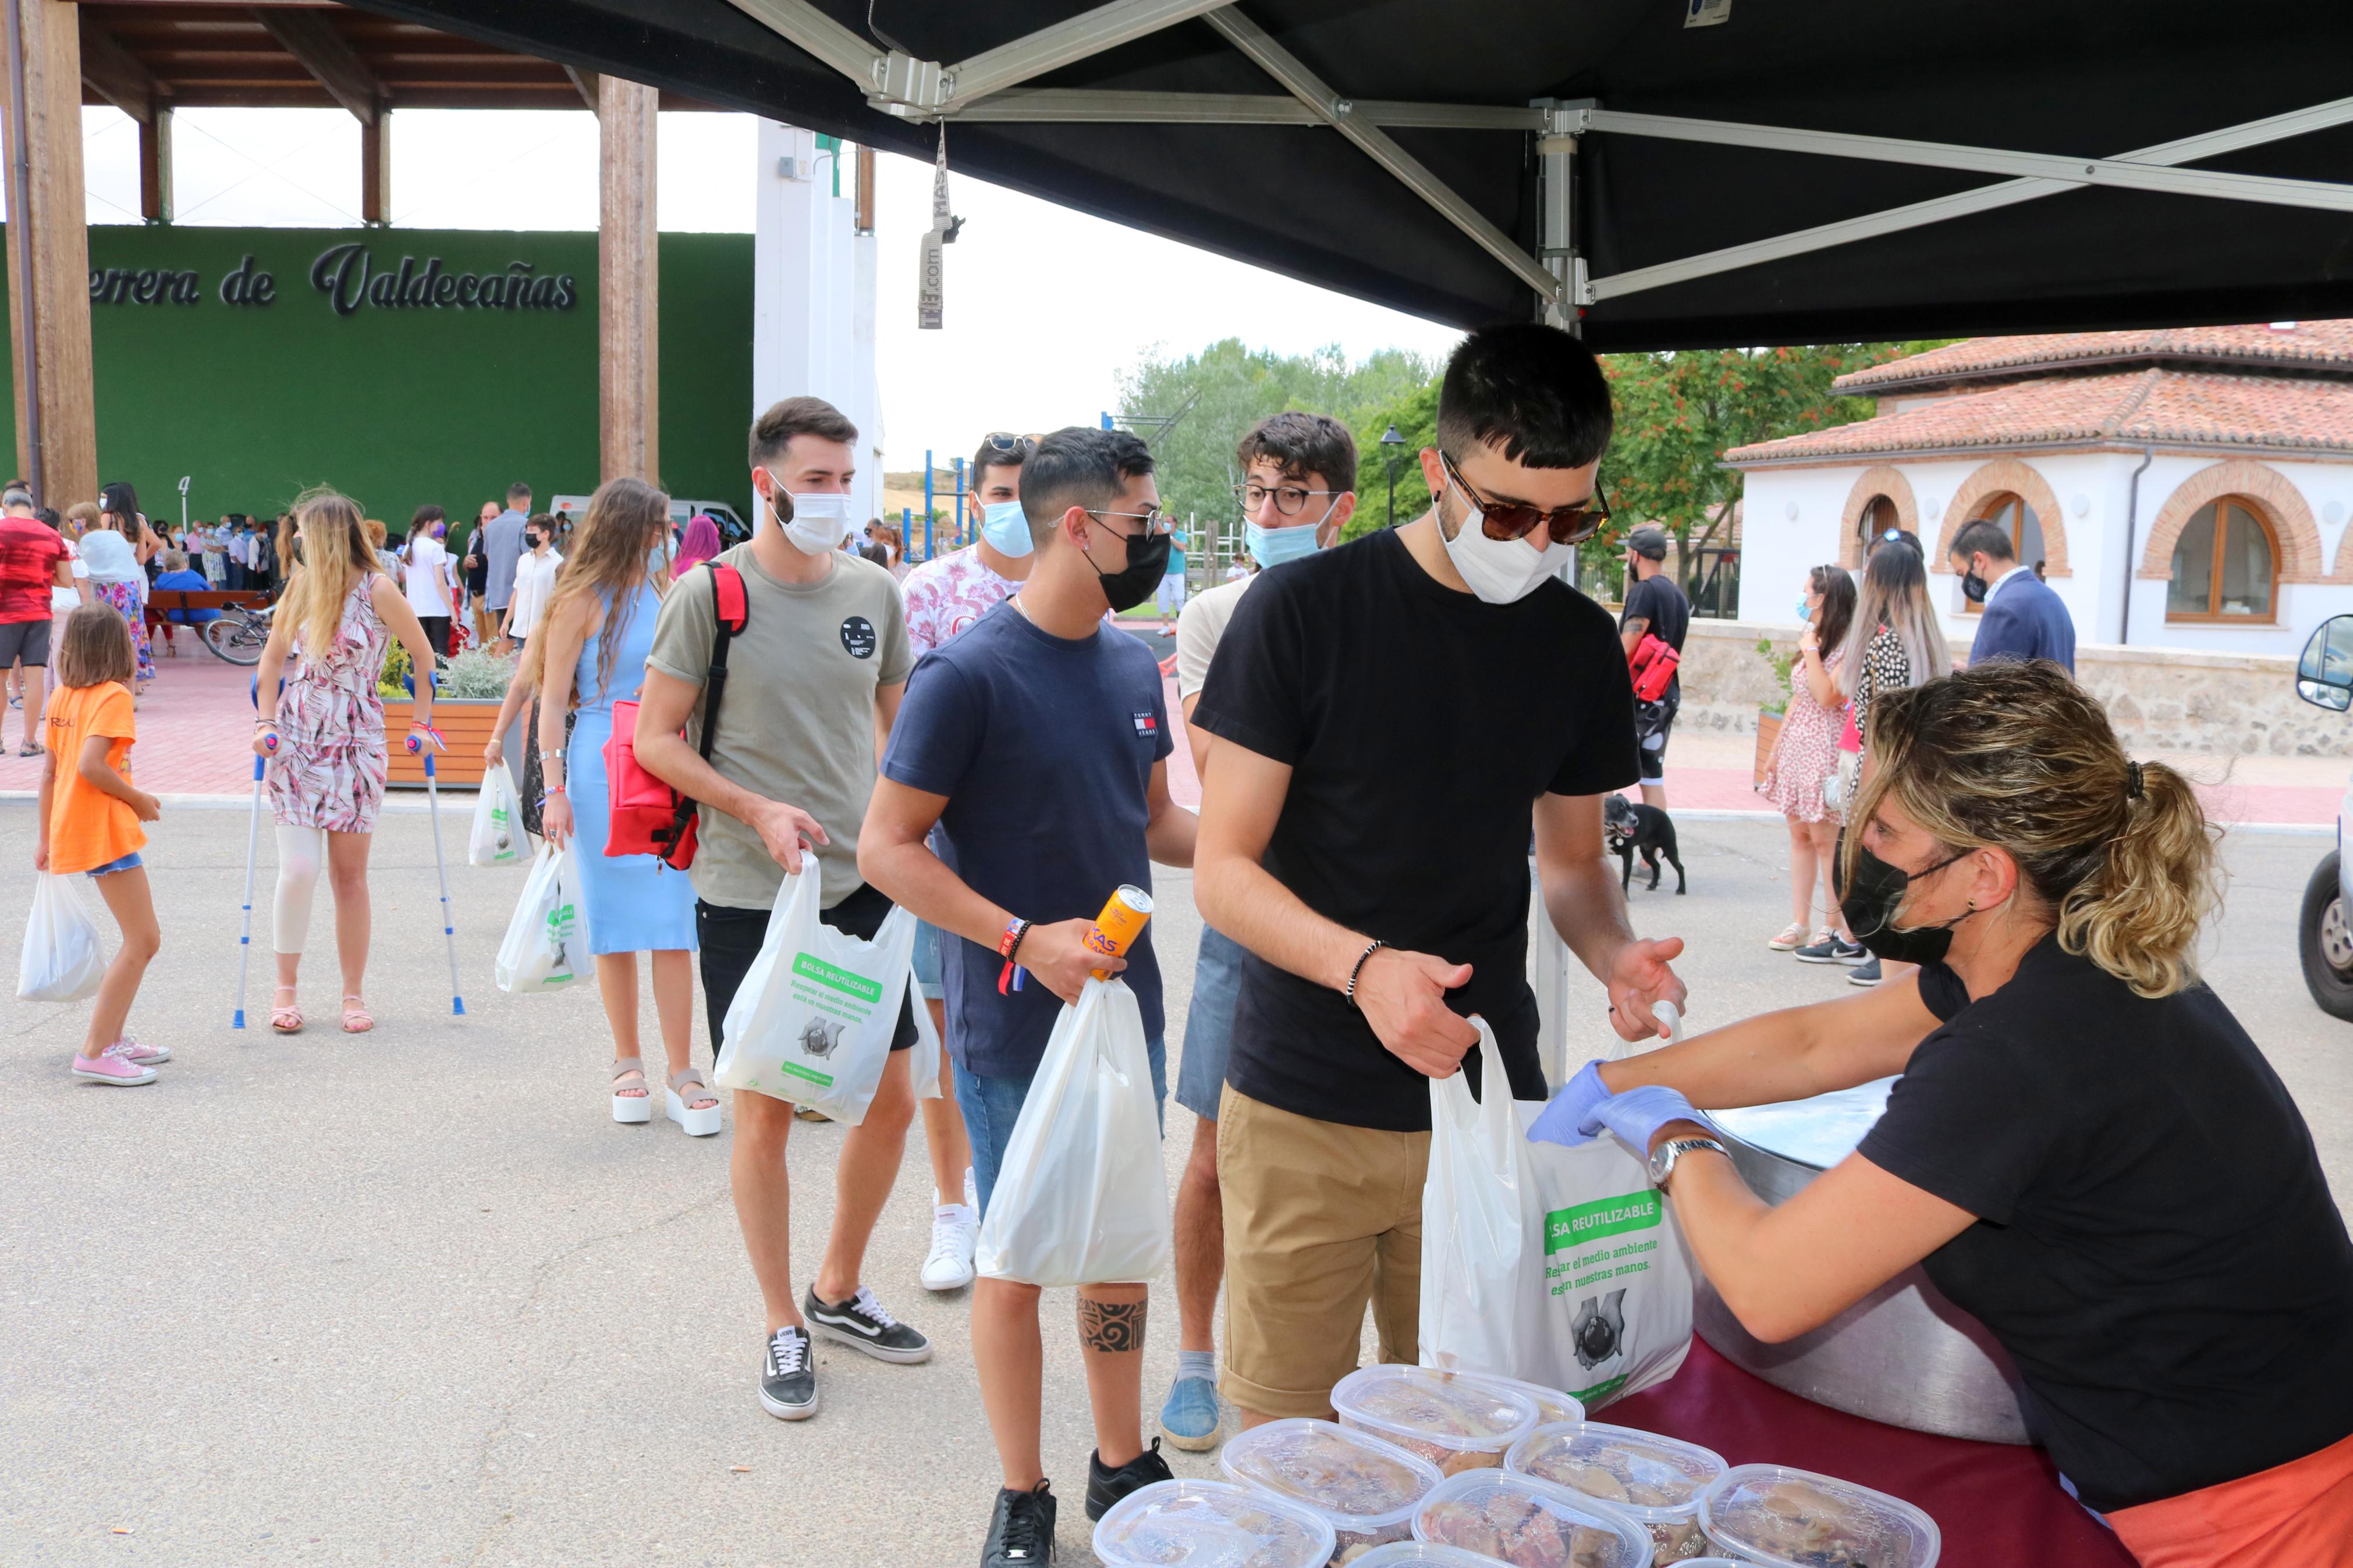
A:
[1146, 725]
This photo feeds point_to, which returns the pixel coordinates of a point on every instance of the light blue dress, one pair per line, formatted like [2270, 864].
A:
[636, 904]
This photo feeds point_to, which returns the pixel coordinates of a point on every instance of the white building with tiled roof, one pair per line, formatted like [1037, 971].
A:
[2186, 488]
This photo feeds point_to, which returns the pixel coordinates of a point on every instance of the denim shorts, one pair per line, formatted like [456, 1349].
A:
[926, 962]
[992, 1105]
[1209, 1025]
[129, 862]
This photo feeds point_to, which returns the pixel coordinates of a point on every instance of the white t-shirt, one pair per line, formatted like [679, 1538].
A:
[535, 585]
[64, 601]
[426, 595]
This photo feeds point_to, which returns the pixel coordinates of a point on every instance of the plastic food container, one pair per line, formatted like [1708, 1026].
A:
[1657, 1481]
[1529, 1523]
[1365, 1488]
[1795, 1519]
[1455, 1420]
[1419, 1554]
[1551, 1406]
[1209, 1524]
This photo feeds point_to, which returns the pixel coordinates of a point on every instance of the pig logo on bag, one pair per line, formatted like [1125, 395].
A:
[1598, 1331]
[820, 1035]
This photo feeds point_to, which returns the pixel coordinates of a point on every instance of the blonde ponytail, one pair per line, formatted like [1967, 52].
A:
[2138, 914]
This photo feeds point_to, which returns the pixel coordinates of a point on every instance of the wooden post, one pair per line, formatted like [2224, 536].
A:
[155, 165]
[376, 168]
[864, 206]
[628, 356]
[48, 340]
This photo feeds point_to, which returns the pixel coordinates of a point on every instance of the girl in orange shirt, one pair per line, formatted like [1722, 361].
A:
[91, 815]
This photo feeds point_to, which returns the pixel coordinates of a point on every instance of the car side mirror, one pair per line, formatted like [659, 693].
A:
[2324, 675]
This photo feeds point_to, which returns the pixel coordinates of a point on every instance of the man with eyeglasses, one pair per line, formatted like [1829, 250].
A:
[1037, 746]
[945, 596]
[1389, 715]
[1297, 493]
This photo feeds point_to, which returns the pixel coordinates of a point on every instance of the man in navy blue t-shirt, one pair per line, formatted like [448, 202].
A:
[1037, 743]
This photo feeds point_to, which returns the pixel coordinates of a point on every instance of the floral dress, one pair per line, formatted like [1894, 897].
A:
[331, 765]
[1806, 755]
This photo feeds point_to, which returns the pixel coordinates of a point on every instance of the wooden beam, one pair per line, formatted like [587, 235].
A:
[329, 56]
[585, 81]
[156, 164]
[114, 73]
[57, 419]
[375, 169]
[863, 206]
[628, 360]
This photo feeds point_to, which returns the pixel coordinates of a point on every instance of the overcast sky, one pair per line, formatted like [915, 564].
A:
[1045, 305]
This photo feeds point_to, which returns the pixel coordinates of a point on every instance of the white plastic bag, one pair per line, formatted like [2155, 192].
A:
[498, 838]
[546, 945]
[1559, 1267]
[1080, 1196]
[813, 1020]
[62, 961]
[925, 1067]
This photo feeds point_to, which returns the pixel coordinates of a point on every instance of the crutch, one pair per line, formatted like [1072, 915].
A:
[425, 749]
[252, 846]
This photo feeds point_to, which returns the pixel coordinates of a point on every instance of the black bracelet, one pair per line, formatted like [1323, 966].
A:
[1022, 934]
[1349, 990]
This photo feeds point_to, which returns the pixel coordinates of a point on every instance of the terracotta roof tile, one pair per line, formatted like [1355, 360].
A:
[2318, 345]
[2256, 414]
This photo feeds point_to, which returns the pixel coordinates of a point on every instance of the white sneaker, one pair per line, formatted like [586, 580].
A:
[954, 1230]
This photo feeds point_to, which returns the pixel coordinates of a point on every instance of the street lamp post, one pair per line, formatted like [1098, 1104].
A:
[1390, 445]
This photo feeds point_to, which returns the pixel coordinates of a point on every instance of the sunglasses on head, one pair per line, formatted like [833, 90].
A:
[1004, 441]
[1504, 520]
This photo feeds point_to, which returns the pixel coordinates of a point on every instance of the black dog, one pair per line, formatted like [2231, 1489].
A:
[1633, 825]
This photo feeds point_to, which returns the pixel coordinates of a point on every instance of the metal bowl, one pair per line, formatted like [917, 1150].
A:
[1904, 1354]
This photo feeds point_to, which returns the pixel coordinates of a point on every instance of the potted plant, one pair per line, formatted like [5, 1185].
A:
[1768, 718]
[464, 706]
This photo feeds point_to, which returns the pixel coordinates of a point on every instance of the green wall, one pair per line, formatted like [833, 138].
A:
[396, 404]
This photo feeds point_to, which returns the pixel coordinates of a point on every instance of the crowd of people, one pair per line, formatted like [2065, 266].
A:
[1381, 728]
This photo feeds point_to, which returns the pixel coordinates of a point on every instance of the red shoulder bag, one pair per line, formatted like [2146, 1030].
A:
[650, 818]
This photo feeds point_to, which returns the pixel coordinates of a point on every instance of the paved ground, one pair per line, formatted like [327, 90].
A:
[416, 1299]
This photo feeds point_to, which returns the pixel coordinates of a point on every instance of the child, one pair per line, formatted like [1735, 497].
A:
[90, 822]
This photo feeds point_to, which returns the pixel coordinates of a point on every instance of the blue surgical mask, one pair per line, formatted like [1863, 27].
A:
[1006, 528]
[1273, 546]
[1805, 610]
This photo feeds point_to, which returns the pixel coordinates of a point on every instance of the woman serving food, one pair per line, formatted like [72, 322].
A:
[2084, 1148]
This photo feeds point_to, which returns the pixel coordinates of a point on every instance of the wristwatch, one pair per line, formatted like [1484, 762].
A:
[1663, 1159]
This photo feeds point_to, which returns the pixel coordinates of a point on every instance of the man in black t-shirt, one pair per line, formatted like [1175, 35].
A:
[1394, 712]
[1654, 606]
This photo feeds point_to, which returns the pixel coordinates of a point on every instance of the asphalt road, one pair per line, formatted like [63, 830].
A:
[413, 1298]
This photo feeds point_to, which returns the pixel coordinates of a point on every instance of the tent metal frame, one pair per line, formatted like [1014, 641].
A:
[987, 88]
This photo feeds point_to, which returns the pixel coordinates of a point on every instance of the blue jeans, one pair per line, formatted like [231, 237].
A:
[992, 1105]
[129, 862]
[927, 961]
[1210, 1025]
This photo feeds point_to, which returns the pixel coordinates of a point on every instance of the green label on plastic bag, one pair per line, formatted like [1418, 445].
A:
[839, 979]
[1565, 1229]
[823, 1080]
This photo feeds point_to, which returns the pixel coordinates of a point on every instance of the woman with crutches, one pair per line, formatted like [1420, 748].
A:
[323, 736]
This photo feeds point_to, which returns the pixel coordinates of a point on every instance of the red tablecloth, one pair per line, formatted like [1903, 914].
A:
[1998, 1505]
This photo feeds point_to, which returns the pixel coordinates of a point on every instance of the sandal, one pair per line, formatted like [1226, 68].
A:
[287, 1019]
[1793, 935]
[631, 1107]
[29, 749]
[700, 1121]
[357, 1020]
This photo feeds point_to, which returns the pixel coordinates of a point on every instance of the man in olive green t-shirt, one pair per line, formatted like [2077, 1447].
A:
[813, 683]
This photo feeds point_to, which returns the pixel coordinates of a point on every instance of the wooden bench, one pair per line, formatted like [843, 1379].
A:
[163, 601]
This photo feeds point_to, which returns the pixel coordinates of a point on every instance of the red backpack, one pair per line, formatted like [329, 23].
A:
[650, 818]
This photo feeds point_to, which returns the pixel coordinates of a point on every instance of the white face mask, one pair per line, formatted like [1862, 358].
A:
[820, 520]
[1501, 571]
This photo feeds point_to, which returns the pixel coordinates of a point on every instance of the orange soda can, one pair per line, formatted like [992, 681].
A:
[1120, 923]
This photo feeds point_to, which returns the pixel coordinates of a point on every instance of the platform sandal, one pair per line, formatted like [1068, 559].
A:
[626, 1106]
[700, 1121]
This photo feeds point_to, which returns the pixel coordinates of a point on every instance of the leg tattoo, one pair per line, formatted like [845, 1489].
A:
[1113, 1327]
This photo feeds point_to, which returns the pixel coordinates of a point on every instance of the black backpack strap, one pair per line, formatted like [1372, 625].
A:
[731, 612]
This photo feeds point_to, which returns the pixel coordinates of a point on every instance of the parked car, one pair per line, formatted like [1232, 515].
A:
[732, 529]
[2324, 677]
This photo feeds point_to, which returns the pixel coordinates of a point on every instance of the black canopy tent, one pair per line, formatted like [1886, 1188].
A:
[1789, 171]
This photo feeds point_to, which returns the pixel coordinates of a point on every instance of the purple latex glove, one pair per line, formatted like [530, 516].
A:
[1637, 1115]
[1565, 1114]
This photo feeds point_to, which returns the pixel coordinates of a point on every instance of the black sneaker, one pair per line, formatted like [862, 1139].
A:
[865, 1322]
[788, 1376]
[1020, 1529]
[1864, 973]
[1830, 950]
[1105, 1487]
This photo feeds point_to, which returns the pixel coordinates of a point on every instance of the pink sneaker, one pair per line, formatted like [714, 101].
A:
[145, 1055]
[114, 1066]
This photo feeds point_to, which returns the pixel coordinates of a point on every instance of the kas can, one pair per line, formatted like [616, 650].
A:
[1120, 923]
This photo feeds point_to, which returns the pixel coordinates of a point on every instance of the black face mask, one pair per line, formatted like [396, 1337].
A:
[1974, 588]
[1147, 563]
[1870, 903]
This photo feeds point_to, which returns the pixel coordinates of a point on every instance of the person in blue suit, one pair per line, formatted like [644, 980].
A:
[2023, 619]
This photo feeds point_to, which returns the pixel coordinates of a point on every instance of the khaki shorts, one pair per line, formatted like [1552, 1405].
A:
[1319, 1220]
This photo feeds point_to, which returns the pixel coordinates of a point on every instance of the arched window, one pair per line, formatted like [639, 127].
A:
[2010, 513]
[2225, 566]
[1878, 516]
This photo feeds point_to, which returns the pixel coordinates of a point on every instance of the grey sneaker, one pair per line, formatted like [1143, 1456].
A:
[788, 1376]
[1830, 950]
[1864, 973]
[866, 1323]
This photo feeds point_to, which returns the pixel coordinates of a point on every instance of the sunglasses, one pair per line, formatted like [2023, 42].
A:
[1506, 520]
[1003, 441]
[1155, 522]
